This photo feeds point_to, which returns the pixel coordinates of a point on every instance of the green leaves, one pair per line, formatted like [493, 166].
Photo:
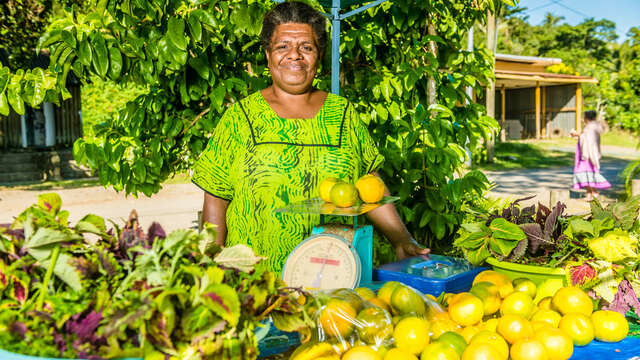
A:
[479, 241]
[223, 301]
[101, 55]
[175, 33]
[239, 257]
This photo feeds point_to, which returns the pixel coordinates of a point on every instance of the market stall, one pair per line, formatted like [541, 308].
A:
[89, 291]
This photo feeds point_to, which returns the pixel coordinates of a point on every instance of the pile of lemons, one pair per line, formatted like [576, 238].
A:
[369, 188]
[497, 319]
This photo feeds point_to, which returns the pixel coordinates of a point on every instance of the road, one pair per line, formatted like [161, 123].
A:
[176, 205]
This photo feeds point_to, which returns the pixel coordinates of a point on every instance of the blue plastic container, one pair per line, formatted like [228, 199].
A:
[272, 341]
[431, 274]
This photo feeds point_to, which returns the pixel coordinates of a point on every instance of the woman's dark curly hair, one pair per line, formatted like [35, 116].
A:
[298, 13]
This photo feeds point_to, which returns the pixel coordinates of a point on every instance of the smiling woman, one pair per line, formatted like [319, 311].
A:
[275, 147]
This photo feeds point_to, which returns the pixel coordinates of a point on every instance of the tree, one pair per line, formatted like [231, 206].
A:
[198, 57]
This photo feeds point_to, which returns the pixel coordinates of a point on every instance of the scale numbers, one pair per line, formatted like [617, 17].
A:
[322, 261]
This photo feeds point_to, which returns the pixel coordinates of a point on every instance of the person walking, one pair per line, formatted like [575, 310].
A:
[586, 168]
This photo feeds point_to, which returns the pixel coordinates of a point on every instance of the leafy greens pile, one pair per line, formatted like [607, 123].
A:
[88, 292]
[599, 251]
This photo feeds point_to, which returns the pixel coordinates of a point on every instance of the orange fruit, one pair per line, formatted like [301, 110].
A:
[349, 296]
[411, 334]
[490, 324]
[313, 350]
[468, 332]
[558, 344]
[361, 353]
[405, 300]
[365, 293]
[537, 325]
[436, 312]
[379, 303]
[439, 351]
[344, 194]
[336, 318]
[545, 303]
[399, 354]
[525, 285]
[492, 338]
[549, 316]
[386, 290]
[489, 294]
[466, 309]
[340, 346]
[505, 287]
[609, 326]
[373, 325]
[370, 188]
[528, 349]
[383, 350]
[514, 327]
[441, 326]
[325, 188]
[579, 328]
[483, 351]
[454, 341]
[517, 303]
[571, 299]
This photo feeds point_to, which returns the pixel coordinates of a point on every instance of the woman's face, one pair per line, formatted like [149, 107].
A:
[293, 57]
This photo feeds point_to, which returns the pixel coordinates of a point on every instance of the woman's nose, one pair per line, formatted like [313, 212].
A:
[294, 53]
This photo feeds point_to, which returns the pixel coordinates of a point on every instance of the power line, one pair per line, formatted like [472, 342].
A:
[540, 7]
[558, 2]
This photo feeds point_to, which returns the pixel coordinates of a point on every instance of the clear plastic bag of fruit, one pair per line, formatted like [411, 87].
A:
[350, 321]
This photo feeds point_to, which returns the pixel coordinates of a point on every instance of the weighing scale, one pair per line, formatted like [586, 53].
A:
[334, 255]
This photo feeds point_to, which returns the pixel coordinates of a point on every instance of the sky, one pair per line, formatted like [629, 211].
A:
[625, 13]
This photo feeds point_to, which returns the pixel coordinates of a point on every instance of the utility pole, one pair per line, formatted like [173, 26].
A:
[491, 86]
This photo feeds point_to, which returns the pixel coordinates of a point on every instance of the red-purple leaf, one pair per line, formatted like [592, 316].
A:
[624, 300]
[581, 274]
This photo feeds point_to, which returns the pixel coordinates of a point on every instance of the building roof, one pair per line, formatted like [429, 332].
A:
[543, 61]
[515, 71]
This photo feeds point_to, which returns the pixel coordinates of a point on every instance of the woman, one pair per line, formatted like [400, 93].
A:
[586, 169]
[275, 146]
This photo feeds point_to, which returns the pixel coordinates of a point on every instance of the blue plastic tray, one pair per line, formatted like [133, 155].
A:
[628, 348]
[431, 274]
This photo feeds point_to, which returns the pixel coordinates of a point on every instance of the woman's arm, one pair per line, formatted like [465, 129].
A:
[386, 219]
[214, 211]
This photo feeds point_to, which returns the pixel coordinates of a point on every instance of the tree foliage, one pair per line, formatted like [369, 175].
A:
[196, 58]
[589, 48]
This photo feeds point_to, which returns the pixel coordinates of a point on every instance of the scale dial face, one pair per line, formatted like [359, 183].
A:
[322, 261]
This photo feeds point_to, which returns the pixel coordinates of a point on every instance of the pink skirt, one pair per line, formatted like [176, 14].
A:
[586, 175]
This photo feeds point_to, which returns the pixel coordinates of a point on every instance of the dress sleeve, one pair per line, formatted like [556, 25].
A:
[370, 157]
[212, 170]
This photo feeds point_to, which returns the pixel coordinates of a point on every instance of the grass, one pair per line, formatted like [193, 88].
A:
[526, 155]
[615, 137]
[519, 155]
[545, 153]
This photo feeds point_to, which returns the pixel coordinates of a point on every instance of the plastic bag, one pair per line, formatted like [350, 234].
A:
[345, 319]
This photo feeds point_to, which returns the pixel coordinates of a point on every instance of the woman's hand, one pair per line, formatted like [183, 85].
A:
[410, 248]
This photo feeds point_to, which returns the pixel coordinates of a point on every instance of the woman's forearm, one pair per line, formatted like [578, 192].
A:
[214, 211]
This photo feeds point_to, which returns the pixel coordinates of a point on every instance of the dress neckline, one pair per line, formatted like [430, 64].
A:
[320, 110]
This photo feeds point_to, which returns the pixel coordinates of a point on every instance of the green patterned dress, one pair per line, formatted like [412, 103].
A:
[260, 162]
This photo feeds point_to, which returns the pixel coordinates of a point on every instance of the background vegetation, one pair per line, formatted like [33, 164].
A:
[590, 48]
